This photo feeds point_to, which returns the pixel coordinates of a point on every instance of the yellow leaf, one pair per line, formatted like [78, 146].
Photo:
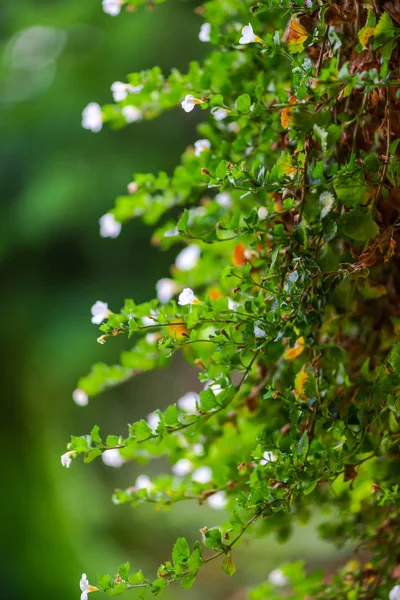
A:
[297, 36]
[296, 350]
[299, 383]
[364, 34]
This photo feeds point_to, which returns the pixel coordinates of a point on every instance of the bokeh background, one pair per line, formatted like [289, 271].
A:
[57, 180]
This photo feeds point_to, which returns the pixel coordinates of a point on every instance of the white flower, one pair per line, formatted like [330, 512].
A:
[189, 102]
[268, 457]
[188, 402]
[99, 312]
[183, 467]
[166, 289]
[204, 35]
[112, 458]
[131, 113]
[201, 146]
[198, 449]
[147, 321]
[219, 114]
[248, 35]
[258, 332]
[232, 305]
[215, 387]
[66, 459]
[309, 3]
[109, 227]
[262, 213]
[188, 258]
[143, 482]
[132, 187]
[233, 127]
[277, 578]
[112, 7]
[92, 117]
[218, 501]
[151, 338]
[326, 200]
[224, 200]
[152, 421]
[187, 297]
[120, 90]
[202, 475]
[86, 587]
[394, 593]
[80, 397]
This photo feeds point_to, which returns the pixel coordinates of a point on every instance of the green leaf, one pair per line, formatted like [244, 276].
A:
[302, 447]
[133, 326]
[384, 29]
[92, 455]
[183, 221]
[243, 103]
[94, 434]
[212, 539]
[181, 551]
[394, 358]
[358, 225]
[228, 565]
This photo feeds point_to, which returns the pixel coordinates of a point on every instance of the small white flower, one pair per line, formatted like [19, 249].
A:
[112, 458]
[166, 289]
[109, 227]
[151, 338]
[189, 102]
[215, 387]
[66, 459]
[92, 117]
[217, 501]
[143, 482]
[204, 35]
[101, 340]
[326, 200]
[188, 258]
[189, 402]
[152, 421]
[187, 297]
[224, 200]
[233, 127]
[132, 187]
[232, 305]
[131, 113]
[394, 593]
[120, 90]
[262, 213]
[183, 467]
[268, 457]
[112, 7]
[248, 35]
[147, 321]
[258, 332]
[202, 475]
[201, 146]
[277, 578]
[309, 3]
[99, 312]
[80, 397]
[86, 587]
[219, 113]
[198, 449]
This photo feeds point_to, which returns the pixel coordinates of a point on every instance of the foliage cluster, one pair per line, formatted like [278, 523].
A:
[285, 298]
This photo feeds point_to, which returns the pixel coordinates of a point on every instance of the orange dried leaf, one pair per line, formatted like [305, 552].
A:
[214, 293]
[296, 350]
[238, 257]
[297, 36]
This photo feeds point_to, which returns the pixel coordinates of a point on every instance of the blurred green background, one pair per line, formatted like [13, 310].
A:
[57, 180]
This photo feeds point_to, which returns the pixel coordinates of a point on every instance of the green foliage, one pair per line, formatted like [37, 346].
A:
[287, 294]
